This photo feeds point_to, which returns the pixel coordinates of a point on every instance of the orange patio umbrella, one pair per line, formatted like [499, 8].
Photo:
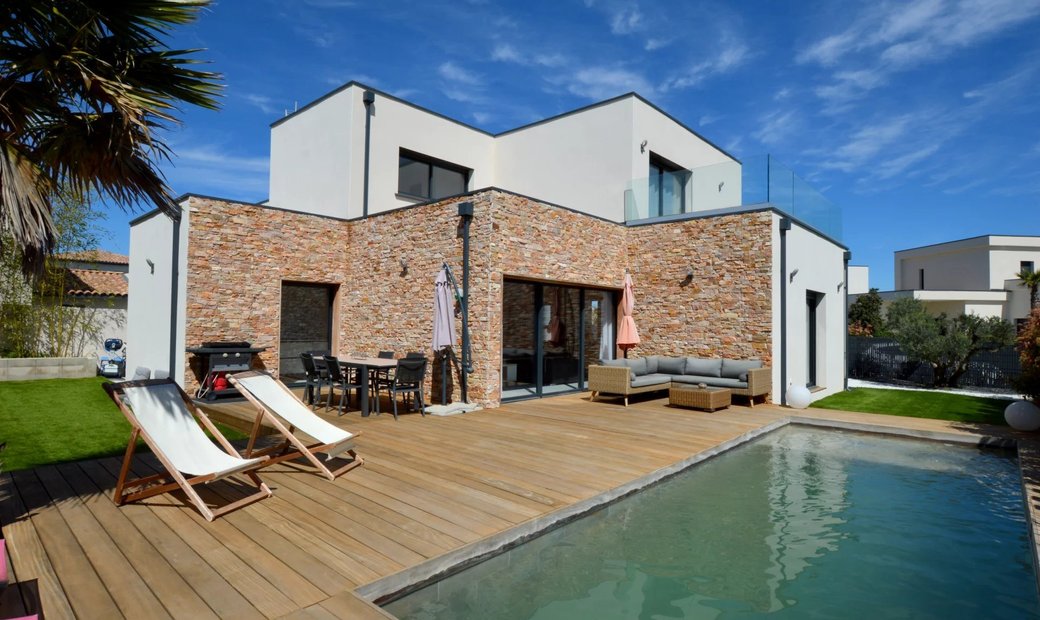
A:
[627, 337]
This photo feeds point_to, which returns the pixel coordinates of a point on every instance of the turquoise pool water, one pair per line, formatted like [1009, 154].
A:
[799, 524]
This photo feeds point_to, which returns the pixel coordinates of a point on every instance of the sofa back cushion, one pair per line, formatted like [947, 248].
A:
[703, 367]
[737, 369]
[670, 365]
[638, 366]
[621, 363]
[651, 364]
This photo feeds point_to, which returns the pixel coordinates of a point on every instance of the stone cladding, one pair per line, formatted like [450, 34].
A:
[239, 255]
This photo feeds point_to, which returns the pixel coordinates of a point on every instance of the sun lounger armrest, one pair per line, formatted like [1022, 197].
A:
[610, 379]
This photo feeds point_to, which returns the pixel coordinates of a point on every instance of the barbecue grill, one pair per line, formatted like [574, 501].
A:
[217, 360]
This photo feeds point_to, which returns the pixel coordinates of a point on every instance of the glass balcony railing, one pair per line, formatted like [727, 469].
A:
[759, 180]
[766, 180]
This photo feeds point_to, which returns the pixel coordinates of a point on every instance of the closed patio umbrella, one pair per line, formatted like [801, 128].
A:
[443, 313]
[627, 337]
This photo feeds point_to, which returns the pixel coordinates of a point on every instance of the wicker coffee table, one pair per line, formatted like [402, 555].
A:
[709, 399]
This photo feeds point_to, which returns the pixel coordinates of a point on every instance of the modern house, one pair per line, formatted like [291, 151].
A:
[968, 276]
[729, 258]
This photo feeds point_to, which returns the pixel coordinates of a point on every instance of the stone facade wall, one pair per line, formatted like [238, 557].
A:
[239, 255]
[725, 309]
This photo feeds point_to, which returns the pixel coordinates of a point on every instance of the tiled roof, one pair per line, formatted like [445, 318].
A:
[96, 256]
[94, 282]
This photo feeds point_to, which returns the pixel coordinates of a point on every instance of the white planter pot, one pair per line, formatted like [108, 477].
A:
[1023, 415]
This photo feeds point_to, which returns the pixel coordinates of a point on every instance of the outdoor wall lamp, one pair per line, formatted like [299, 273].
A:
[642, 146]
[404, 266]
[840, 284]
[721, 185]
[793, 274]
[689, 277]
[151, 265]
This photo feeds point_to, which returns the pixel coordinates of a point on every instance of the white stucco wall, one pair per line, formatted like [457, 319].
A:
[148, 308]
[311, 158]
[964, 269]
[1017, 306]
[859, 280]
[820, 268]
[582, 161]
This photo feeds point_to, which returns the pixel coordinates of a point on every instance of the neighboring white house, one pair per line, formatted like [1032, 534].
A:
[859, 279]
[358, 153]
[968, 276]
[96, 281]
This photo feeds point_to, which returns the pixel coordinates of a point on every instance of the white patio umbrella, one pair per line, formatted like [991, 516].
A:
[443, 312]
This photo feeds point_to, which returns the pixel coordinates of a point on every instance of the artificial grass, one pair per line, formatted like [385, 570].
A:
[57, 420]
[916, 404]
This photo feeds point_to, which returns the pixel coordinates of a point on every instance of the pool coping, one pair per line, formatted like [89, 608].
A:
[408, 580]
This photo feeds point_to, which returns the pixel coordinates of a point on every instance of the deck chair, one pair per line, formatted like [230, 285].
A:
[284, 411]
[162, 414]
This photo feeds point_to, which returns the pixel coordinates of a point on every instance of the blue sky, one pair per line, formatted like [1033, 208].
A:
[921, 119]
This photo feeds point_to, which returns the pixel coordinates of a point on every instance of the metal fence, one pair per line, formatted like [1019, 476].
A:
[881, 359]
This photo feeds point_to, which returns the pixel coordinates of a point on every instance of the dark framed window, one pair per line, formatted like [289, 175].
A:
[920, 277]
[1026, 266]
[429, 178]
[667, 187]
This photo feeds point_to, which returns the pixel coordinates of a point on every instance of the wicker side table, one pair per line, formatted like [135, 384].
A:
[709, 399]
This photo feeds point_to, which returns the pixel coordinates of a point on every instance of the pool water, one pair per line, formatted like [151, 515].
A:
[801, 523]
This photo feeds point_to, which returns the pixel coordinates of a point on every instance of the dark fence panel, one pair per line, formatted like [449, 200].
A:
[881, 359]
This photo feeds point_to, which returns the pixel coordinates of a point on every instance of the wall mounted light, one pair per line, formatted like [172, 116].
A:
[151, 265]
[721, 184]
[404, 265]
[840, 284]
[689, 277]
[642, 146]
[793, 274]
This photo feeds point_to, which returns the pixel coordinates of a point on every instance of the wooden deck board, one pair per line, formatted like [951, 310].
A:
[429, 486]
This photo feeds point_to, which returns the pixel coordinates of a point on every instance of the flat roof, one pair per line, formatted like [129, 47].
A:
[967, 239]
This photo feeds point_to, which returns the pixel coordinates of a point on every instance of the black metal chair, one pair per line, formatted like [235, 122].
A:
[408, 379]
[415, 354]
[382, 377]
[315, 381]
[344, 379]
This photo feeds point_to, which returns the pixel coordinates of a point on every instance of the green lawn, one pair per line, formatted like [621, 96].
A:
[935, 405]
[58, 420]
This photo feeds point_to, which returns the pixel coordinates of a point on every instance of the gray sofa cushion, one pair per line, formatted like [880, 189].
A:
[733, 369]
[670, 365]
[656, 379]
[651, 364]
[619, 363]
[703, 367]
[638, 366]
[710, 381]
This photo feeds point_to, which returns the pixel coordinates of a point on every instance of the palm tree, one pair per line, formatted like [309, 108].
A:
[85, 87]
[1031, 279]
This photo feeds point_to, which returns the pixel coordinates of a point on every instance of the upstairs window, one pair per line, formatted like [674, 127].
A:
[419, 176]
[1026, 266]
[667, 187]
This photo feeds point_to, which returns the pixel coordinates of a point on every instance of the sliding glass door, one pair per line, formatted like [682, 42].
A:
[550, 334]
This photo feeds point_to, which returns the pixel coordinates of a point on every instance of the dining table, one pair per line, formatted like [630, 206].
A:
[364, 366]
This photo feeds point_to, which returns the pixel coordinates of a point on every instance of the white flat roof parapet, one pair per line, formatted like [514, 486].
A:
[929, 295]
[993, 242]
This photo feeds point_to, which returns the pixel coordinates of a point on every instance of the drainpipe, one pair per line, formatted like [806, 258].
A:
[847, 256]
[466, 213]
[785, 225]
[175, 217]
[368, 98]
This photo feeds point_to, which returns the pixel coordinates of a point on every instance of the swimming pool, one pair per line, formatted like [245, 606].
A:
[801, 522]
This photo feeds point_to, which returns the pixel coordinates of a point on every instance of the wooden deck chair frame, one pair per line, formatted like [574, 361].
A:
[123, 491]
[280, 452]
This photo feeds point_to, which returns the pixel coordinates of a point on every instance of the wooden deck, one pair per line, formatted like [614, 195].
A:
[429, 486]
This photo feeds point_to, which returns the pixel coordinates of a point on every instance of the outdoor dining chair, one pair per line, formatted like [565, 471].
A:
[315, 380]
[346, 379]
[408, 380]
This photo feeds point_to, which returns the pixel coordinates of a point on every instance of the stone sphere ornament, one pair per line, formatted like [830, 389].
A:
[1023, 415]
[798, 396]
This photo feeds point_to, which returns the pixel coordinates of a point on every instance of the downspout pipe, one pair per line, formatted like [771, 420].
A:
[466, 215]
[847, 257]
[175, 258]
[785, 225]
[368, 98]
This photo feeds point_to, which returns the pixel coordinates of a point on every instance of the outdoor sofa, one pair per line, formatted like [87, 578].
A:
[625, 377]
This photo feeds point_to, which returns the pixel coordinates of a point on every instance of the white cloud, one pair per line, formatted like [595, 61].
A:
[733, 54]
[506, 53]
[454, 73]
[626, 19]
[775, 127]
[210, 169]
[482, 117]
[602, 83]
[261, 102]
[656, 43]
[708, 119]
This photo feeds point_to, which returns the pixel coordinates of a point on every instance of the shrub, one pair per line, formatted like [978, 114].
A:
[865, 315]
[1029, 352]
